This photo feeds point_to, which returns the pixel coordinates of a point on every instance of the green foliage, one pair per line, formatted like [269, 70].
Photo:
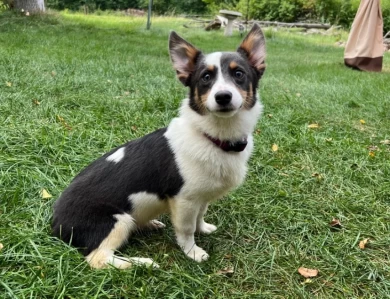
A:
[160, 7]
[340, 12]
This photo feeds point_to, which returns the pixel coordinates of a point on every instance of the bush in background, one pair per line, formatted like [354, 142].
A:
[338, 12]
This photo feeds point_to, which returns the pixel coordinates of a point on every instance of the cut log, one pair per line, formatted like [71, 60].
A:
[299, 25]
[215, 25]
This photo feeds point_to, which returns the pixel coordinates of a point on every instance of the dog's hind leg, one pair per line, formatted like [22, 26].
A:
[202, 226]
[103, 256]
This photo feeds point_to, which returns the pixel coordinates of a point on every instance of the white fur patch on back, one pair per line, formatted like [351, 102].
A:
[146, 206]
[117, 156]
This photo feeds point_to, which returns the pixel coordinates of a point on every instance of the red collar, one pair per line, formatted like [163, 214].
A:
[227, 145]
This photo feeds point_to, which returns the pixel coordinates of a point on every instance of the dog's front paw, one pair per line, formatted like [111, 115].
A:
[197, 254]
[206, 228]
[143, 261]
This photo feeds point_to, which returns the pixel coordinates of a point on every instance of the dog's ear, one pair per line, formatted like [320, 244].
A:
[183, 56]
[253, 48]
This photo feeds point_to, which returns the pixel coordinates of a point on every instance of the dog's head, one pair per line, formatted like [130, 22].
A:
[220, 83]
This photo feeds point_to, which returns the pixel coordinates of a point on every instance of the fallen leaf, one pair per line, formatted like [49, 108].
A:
[362, 121]
[313, 126]
[335, 223]
[363, 243]
[307, 273]
[63, 122]
[317, 175]
[371, 154]
[45, 194]
[307, 281]
[36, 102]
[9, 84]
[1, 246]
[373, 148]
[228, 271]
[228, 256]
[328, 139]
[387, 141]
[270, 115]
[275, 147]
[298, 94]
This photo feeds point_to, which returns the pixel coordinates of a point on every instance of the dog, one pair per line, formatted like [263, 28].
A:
[180, 169]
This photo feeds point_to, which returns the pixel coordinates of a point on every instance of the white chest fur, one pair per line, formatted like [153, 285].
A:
[209, 172]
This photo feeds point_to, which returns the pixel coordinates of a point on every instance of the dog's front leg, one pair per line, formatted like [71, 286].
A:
[202, 226]
[184, 217]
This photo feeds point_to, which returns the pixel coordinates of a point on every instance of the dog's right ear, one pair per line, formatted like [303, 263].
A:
[183, 56]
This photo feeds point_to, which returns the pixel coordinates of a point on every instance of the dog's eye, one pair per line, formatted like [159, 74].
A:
[206, 77]
[238, 74]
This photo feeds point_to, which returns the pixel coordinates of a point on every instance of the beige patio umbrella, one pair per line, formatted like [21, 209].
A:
[364, 48]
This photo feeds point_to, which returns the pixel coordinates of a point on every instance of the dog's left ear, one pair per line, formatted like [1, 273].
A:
[253, 48]
[183, 56]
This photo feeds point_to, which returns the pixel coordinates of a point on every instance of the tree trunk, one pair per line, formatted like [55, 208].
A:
[31, 6]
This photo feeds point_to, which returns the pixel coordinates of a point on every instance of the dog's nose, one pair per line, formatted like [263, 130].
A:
[223, 97]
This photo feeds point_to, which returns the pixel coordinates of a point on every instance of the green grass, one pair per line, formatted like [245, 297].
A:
[103, 80]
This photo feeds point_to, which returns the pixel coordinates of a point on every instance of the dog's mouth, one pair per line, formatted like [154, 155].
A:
[225, 109]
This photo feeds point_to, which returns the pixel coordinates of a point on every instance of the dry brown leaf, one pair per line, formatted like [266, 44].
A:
[45, 194]
[363, 243]
[373, 148]
[228, 256]
[387, 141]
[64, 123]
[371, 154]
[307, 273]
[313, 126]
[36, 102]
[270, 115]
[335, 223]
[328, 139]
[228, 271]
[9, 84]
[275, 147]
[362, 121]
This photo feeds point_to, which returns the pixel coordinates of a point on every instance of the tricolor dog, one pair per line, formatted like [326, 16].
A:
[198, 158]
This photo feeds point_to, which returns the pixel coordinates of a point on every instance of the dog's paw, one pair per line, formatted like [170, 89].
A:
[152, 225]
[143, 261]
[155, 224]
[206, 228]
[197, 254]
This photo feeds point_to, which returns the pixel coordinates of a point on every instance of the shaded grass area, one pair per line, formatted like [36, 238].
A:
[72, 87]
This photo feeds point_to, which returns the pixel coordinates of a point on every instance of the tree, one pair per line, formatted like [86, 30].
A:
[31, 6]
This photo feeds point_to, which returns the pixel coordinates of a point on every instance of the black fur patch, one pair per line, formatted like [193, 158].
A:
[83, 215]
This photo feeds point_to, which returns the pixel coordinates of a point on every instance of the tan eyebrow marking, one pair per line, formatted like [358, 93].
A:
[233, 65]
[210, 68]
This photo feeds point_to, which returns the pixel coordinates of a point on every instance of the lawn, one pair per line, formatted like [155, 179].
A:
[72, 87]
